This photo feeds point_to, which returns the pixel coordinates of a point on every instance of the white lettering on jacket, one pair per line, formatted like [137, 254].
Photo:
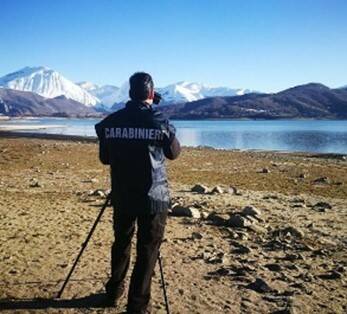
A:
[134, 133]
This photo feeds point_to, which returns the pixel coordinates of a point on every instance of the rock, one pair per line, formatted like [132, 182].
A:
[242, 249]
[93, 180]
[197, 235]
[218, 259]
[204, 214]
[217, 190]
[292, 257]
[259, 285]
[237, 221]
[251, 211]
[322, 206]
[98, 192]
[264, 170]
[273, 267]
[199, 188]
[35, 184]
[232, 190]
[185, 211]
[322, 180]
[330, 275]
[219, 219]
[291, 231]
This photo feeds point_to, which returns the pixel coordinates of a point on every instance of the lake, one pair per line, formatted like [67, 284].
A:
[321, 136]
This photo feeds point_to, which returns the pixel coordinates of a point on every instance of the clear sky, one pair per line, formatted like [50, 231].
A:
[265, 45]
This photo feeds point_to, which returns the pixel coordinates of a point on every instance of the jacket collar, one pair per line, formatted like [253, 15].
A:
[138, 104]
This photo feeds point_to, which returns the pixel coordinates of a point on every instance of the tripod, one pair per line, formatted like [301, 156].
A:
[84, 245]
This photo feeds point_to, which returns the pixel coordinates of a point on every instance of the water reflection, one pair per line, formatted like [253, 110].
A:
[287, 135]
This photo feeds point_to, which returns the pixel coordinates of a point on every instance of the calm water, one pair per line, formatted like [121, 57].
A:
[285, 135]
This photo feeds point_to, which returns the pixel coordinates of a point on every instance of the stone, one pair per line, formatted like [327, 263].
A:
[204, 214]
[185, 211]
[260, 286]
[291, 231]
[330, 275]
[322, 180]
[322, 206]
[264, 170]
[232, 190]
[217, 190]
[237, 221]
[251, 211]
[197, 236]
[273, 267]
[93, 180]
[199, 188]
[219, 219]
[242, 249]
[35, 184]
[98, 192]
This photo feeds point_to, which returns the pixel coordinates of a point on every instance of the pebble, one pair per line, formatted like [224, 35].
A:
[35, 184]
[197, 235]
[232, 190]
[242, 249]
[322, 206]
[185, 211]
[330, 275]
[259, 285]
[217, 190]
[251, 211]
[322, 180]
[199, 188]
[219, 219]
[237, 221]
[273, 267]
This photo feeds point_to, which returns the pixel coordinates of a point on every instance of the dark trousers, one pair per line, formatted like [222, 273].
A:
[150, 231]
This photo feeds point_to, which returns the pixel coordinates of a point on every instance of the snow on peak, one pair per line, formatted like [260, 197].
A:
[88, 86]
[47, 83]
[191, 91]
[107, 94]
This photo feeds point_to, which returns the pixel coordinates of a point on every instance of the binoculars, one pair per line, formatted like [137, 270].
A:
[157, 98]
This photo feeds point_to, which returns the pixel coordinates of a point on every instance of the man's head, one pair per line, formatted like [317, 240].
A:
[141, 87]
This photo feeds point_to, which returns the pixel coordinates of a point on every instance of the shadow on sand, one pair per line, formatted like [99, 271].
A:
[94, 300]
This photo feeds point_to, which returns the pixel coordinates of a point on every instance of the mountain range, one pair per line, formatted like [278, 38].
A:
[49, 83]
[311, 100]
[43, 91]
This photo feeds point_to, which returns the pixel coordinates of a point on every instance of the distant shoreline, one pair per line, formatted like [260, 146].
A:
[91, 139]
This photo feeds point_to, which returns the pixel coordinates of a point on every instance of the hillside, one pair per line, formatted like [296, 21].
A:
[19, 103]
[305, 101]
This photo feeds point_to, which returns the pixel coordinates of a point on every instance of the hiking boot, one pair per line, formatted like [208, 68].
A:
[115, 293]
[147, 310]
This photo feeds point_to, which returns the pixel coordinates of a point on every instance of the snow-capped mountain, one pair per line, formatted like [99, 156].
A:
[187, 92]
[182, 92]
[47, 83]
[107, 94]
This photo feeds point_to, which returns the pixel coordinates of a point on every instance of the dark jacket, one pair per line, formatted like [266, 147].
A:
[134, 141]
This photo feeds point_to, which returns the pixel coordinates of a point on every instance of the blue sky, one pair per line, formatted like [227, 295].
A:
[264, 45]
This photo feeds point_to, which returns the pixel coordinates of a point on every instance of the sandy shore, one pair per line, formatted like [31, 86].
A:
[287, 254]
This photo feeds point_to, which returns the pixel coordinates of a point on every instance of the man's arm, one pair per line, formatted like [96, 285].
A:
[172, 147]
[103, 149]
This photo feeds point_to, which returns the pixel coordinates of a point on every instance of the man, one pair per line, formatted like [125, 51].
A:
[134, 141]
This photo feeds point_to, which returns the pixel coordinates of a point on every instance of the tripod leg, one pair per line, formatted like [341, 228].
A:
[84, 245]
[163, 284]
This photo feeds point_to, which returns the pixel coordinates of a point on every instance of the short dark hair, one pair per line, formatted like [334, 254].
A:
[141, 84]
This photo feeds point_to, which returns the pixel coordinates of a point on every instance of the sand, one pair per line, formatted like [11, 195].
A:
[294, 251]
